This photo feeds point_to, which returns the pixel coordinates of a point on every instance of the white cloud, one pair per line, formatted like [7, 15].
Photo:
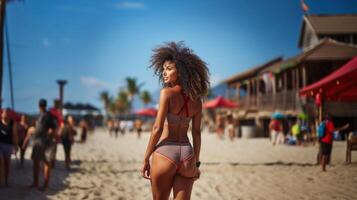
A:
[46, 42]
[215, 80]
[94, 83]
[129, 5]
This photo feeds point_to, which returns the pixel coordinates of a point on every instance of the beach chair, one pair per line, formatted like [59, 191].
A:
[351, 146]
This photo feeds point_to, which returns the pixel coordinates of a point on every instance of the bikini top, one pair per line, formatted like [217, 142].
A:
[176, 118]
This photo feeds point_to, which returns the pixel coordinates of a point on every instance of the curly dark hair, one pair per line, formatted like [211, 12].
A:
[193, 72]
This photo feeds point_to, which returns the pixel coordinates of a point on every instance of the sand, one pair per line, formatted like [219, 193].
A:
[108, 168]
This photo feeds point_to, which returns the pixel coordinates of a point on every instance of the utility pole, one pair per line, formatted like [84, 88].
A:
[2, 20]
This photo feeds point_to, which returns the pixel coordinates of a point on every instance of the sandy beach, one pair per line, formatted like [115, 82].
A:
[108, 168]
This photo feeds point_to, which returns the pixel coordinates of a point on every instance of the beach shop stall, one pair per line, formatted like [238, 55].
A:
[336, 93]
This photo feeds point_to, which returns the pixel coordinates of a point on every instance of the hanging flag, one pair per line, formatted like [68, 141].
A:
[304, 7]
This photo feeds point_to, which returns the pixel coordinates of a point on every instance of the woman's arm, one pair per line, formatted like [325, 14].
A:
[196, 131]
[159, 123]
[15, 137]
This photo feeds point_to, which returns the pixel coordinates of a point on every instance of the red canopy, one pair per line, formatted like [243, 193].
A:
[151, 112]
[340, 85]
[220, 102]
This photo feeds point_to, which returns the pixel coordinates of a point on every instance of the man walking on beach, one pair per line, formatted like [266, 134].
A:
[327, 140]
[43, 144]
[56, 112]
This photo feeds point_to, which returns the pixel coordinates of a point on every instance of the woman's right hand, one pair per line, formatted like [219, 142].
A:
[145, 170]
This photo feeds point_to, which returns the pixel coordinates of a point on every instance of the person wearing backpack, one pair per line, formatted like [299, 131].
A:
[325, 134]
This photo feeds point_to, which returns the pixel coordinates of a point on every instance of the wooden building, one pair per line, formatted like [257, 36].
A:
[327, 42]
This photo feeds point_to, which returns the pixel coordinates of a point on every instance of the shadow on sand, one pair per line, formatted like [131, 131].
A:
[21, 178]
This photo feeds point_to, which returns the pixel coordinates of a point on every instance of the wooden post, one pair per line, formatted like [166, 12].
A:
[248, 94]
[258, 91]
[285, 88]
[238, 91]
[2, 23]
[304, 81]
[297, 78]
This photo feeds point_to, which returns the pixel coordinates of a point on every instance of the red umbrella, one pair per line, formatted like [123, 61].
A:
[150, 112]
[220, 102]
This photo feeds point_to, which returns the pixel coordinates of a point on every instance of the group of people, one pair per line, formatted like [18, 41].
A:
[226, 124]
[116, 126]
[44, 134]
[323, 133]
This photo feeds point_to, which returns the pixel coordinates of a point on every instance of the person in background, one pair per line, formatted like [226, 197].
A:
[116, 127]
[296, 132]
[84, 130]
[110, 126]
[138, 126]
[219, 125]
[8, 142]
[327, 140]
[230, 127]
[22, 130]
[276, 131]
[43, 144]
[67, 132]
[56, 112]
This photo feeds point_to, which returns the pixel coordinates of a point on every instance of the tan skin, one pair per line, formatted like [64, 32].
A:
[162, 172]
[6, 120]
[23, 148]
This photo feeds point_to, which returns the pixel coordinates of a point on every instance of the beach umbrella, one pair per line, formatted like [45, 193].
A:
[220, 102]
[149, 112]
[278, 115]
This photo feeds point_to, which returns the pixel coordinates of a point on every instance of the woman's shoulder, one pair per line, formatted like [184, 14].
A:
[167, 92]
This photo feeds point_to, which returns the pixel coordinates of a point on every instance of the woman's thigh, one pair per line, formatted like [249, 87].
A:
[182, 187]
[162, 173]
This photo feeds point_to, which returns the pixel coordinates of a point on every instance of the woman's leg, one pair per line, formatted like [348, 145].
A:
[162, 173]
[2, 169]
[182, 187]
[22, 155]
[7, 160]
[183, 181]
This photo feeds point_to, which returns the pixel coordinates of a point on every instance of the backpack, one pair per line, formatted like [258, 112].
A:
[321, 129]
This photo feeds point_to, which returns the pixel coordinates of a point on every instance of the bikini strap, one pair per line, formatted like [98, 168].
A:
[185, 104]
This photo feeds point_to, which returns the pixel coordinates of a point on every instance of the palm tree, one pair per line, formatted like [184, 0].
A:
[132, 89]
[122, 102]
[106, 99]
[145, 97]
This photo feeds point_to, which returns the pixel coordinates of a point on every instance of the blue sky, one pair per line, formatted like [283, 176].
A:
[95, 44]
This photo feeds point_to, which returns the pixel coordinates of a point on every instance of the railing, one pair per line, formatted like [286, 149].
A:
[285, 100]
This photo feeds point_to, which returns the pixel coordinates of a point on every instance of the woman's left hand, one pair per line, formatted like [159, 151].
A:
[145, 170]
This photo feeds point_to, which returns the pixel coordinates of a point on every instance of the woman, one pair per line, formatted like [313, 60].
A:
[174, 163]
[8, 141]
[67, 132]
[21, 131]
